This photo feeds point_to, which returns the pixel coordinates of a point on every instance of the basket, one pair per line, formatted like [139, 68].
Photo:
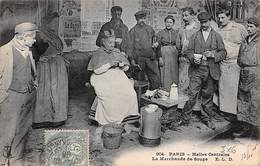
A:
[112, 136]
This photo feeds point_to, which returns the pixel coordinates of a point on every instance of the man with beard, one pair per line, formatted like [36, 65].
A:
[205, 51]
[120, 30]
[191, 26]
[142, 50]
[233, 34]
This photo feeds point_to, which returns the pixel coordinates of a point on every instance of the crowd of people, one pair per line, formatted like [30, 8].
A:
[202, 59]
[212, 66]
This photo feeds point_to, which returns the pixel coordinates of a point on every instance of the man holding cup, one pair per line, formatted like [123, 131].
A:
[205, 51]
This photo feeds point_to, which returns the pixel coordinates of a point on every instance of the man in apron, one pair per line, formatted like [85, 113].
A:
[232, 33]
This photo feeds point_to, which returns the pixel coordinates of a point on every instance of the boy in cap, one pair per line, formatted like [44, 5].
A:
[205, 50]
[120, 29]
[249, 89]
[142, 50]
[17, 87]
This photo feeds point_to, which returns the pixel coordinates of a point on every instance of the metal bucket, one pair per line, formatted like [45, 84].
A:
[112, 136]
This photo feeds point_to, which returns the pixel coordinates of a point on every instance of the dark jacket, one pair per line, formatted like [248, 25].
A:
[248, 52]
[141, 40]
[121, 31]
[197, 45]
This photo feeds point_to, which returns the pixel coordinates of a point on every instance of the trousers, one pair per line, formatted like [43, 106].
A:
[151, 69]
[202, 83]
[15, 121]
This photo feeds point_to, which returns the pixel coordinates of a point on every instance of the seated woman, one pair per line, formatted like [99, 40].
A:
[116, 100]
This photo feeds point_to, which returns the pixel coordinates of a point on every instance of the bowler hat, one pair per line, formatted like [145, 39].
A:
[204, 17]
[25, 27]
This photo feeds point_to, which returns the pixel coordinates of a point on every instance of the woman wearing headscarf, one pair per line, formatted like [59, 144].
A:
[167, 48]
[52, 94]
[116, 100]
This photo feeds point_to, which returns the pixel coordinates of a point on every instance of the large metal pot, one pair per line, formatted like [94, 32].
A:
[150, 125]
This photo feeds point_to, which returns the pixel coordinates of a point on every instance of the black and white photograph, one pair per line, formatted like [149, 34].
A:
[129, 82]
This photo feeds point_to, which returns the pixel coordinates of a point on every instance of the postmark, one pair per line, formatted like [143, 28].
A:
[66, 147]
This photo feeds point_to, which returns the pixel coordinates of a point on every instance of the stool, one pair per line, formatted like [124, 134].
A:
[140, 87]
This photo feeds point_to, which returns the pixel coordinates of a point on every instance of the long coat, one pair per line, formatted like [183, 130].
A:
[6, 69]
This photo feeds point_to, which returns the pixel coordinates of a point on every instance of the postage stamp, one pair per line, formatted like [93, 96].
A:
[66, 147]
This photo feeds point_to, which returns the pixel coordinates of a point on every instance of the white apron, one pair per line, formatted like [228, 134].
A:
[116, 97]
[232, 35]
[228, 82]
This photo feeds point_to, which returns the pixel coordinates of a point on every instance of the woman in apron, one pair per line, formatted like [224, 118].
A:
[167, 48]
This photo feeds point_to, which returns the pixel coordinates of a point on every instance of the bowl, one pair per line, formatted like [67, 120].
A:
[198, 56]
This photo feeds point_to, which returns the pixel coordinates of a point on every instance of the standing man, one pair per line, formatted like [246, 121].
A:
[232, 34]
[120, 29]
[205, 51]
[17, 92]
[191, 26]
[142, 50]
[249, 89]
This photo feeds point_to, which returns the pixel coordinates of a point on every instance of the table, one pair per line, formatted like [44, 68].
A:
[169, 108]
[164, 104]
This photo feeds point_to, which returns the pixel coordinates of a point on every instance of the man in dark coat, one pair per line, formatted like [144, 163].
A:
[142, 50]
[248, 112]
[120, 29]
[206, 49]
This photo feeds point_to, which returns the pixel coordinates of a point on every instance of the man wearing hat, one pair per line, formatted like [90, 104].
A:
[120, 29]
[249, 89]
[142, 50]
[17, 87]
[205, 50]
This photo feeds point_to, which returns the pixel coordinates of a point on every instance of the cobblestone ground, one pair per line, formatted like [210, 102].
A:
[79, 106]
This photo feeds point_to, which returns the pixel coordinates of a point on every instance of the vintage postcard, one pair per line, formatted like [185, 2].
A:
[129, 82]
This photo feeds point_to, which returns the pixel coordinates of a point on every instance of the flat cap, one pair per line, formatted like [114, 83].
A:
[169, 17]
[140, 14]
[25, 27]
[253, 20]
[204, 17]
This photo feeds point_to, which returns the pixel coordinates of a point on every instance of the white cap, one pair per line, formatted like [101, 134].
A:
[25, 27]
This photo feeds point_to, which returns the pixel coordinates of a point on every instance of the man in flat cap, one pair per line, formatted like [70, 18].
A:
[232, 33]
[120, 29]
[249, 90]
[17, 87]
[142, 50]
[205, 50]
